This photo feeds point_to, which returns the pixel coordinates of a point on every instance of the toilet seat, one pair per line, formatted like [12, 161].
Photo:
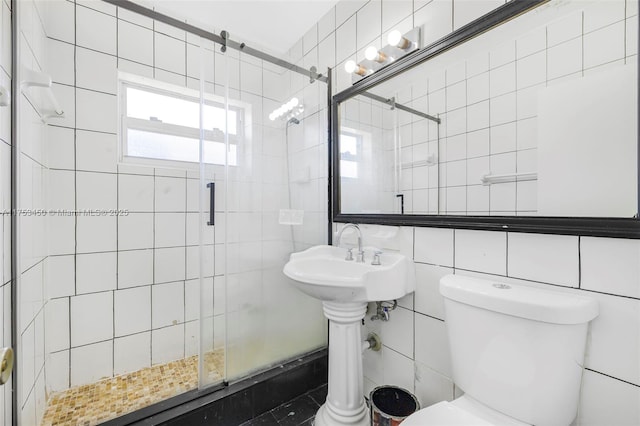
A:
[463, 411]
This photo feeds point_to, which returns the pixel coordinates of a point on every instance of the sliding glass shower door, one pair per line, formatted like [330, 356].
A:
[250, 312]
[150, 245]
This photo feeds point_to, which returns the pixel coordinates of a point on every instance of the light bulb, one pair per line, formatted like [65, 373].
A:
[272, 116]
[371, 53]
[294, 102]
[350, 66]
[394, 37]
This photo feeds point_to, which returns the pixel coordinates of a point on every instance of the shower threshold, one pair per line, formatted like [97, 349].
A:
[113, 397]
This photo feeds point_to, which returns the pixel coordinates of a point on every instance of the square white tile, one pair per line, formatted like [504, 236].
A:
[431, 387]
[57, 336]
[131, 353]
[96, 111]
[564, 59]
[502, 79]
[169, 229]
[168, 304]
[95, 30]
[599, 14]
[62, 233]
[397, 333]
[604, 45]
[135, 231]
[58, 371]
[346, 39]
[132, 310]
[170, 54]
[431, 334]
[170, 194]
[614, 344]
[60, 276]
[96, 71]
[96, 152]
[59, 22]
[169, 264]
[397, 369]
[532, 70]
[91, 318]
[61, 152]
[91, 363]
[96, 272]
[61, 190]
[550, 259]
[428, 299]
[607, 401]
[135, 43]
[96, 233]
[135, 193]
[482, 251]
[135, 268]
[61, 61]
[610, 265]
[167, 344]
[97, 191]
[436, 19]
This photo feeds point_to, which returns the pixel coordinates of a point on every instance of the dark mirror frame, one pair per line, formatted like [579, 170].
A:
[587, 226]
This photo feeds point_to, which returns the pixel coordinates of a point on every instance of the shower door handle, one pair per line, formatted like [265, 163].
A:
[212, 203]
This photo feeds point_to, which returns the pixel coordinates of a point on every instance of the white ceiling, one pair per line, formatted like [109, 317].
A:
[272, 24]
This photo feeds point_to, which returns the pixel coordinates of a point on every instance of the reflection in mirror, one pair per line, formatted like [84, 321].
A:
[536, 117]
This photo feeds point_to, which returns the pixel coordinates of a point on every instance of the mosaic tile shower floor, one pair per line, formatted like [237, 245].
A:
[106, 399]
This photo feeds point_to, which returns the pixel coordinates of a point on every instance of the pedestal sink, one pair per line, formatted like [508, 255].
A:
[345, 287]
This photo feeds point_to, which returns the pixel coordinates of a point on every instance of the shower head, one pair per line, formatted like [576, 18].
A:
[293, 120]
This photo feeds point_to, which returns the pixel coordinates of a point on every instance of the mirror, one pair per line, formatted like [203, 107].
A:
[536, 116]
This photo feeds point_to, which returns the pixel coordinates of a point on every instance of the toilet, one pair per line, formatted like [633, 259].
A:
[516, 352]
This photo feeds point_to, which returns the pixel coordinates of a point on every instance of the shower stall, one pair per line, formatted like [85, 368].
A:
[158, 198]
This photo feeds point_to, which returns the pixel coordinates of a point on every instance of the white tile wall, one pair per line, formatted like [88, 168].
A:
[611, 380]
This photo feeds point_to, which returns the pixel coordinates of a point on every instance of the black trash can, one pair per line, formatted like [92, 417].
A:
[390, 405]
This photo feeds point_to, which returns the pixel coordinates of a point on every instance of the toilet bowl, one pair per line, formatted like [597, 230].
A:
[516, 352]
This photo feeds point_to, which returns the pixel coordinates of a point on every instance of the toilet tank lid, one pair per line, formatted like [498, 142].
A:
[519, 300]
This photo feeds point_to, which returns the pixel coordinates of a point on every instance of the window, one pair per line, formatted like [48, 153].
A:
[161, 124]
[350, 147]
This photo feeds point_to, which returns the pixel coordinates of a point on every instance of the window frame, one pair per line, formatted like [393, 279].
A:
[125, 123]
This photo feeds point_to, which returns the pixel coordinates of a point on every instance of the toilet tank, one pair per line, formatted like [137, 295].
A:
[517, 349]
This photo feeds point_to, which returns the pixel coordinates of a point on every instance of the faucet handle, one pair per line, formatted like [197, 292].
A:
[376, 258]
[349, 254]
[360, 257]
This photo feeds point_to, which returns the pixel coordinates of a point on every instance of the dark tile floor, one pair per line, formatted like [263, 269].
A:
[297, 412]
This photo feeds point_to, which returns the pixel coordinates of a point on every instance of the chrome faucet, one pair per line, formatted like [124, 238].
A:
[360, 255]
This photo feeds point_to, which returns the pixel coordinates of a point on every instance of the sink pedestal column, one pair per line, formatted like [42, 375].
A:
[345, 403]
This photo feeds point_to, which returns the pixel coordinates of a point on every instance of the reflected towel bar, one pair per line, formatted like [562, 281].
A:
[490, 179]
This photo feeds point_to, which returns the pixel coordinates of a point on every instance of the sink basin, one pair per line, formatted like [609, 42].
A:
[322, 272]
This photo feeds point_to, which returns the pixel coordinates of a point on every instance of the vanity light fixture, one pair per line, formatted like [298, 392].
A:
[375, 59]
[287, 110]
